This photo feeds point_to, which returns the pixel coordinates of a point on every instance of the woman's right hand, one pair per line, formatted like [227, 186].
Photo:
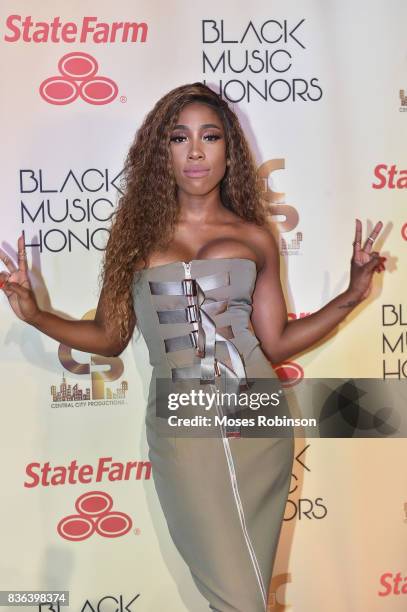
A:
[16, 285]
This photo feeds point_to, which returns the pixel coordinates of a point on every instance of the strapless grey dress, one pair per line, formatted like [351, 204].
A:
[223, 497]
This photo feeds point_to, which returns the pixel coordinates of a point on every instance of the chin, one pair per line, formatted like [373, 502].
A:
[198, 189]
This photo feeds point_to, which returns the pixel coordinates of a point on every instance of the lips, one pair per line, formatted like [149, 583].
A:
[196, 172]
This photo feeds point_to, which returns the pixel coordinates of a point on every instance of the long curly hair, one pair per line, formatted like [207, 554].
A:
[147, 212]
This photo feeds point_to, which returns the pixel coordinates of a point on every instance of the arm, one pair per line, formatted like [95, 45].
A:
[89, 336]
[280, 338]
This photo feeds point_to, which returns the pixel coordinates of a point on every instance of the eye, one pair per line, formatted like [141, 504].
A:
[177, 138]
[212, 137]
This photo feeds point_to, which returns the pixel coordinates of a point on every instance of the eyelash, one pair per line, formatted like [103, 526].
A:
[214, 138]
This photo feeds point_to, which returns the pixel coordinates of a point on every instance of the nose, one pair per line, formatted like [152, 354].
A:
[195, 149]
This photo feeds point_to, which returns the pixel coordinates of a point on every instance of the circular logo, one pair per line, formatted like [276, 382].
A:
[59, 90]
[78, 65]
[95, 514]
[78, 78]
[290, 373]
[94, 503]
[99, 90]
[404, 231]
[113, 525]
[75, 527]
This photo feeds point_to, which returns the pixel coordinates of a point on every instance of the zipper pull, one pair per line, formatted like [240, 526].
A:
[187, 269]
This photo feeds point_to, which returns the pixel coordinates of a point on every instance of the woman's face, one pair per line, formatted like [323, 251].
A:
[198, 149]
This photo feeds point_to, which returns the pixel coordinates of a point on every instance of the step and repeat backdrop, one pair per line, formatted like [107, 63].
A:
[321, 90]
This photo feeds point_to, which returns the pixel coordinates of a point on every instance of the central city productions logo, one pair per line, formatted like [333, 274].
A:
[274, 603]
[278, 208]
[113, 369]
[95, 514]
[78, 78]
[403, 101]
[289, 372]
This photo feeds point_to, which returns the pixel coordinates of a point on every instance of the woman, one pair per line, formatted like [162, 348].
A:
[191, 259]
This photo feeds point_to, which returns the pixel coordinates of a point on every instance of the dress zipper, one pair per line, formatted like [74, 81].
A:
[187, 269]
[231, 467]
[191, 302]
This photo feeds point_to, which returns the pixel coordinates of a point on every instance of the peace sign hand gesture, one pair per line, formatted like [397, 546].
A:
[364, 262]
[16, 285]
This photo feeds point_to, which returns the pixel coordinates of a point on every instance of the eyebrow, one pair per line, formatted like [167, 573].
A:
[204, 126]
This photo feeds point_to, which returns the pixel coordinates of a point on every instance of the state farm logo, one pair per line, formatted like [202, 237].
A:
[300, 315]
[78, 78]
[289, 372]
[94, 514]
[390, 177]
[394, 584]
[87, 29]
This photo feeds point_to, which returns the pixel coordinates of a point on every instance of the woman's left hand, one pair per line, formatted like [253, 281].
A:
[364, 262]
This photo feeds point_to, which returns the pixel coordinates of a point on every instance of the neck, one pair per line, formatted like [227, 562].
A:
[199, 208]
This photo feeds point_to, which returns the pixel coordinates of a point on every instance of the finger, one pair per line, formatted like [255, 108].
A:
[8, 262]
[17, 289]
[373, 262]
[3, 279]
[358, 237]
[22, 255]
[367, 247]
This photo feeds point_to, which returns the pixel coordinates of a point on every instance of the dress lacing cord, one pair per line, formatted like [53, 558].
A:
[199, 311]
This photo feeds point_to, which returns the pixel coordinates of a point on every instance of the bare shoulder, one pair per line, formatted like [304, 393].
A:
[262, 241]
